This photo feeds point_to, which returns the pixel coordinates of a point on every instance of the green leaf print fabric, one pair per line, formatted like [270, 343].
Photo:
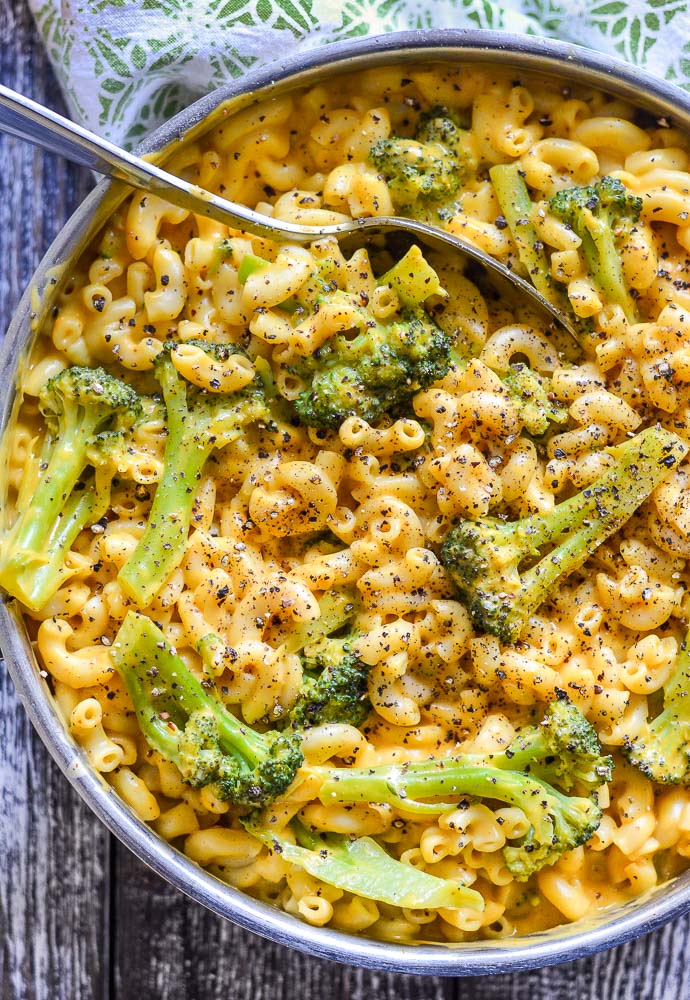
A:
[127, 65]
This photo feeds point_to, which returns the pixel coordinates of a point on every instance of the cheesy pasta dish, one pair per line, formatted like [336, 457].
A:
[360, 582]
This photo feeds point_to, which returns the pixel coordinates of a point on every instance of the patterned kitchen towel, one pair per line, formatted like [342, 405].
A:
[127, 65]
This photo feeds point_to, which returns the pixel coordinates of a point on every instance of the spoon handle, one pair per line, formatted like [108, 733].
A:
[45, 128]
[36, 124]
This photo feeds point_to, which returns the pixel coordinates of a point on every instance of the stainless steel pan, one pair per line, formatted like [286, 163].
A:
[569, 63]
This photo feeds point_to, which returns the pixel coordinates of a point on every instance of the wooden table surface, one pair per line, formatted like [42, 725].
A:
[80, 917]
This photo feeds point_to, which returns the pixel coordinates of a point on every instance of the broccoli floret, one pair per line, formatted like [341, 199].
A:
[484, 557]
[199, 422]
[371, 367]
[78, 405]
[193, 730]
[536, 404]
[558, 822]
[530, 392]
[257, 782]
[373, 373]
[198, 753]
[430, 167]
[662, 749]
[334, 685]
[334, 688]
[602, 214]
[516, 207]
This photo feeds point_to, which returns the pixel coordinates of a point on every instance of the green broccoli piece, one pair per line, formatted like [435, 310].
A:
[197, 751]
[334, 688]
[602, 214]
[483, 557]
[376, 366]
[536, 404]
[78, 405]
[531, 392]
[517, 207]
[189, 727]
[430, 167]
[558, 822]
[662, 750]
[363, 867]
[413, 279]
[199, 422]
[380, 369]
[563, 749]
[336, 610]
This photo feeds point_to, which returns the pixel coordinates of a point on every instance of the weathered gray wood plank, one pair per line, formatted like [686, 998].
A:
[55, 874]
[54, 855]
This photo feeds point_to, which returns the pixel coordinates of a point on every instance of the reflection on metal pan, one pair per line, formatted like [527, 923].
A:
[562, 944]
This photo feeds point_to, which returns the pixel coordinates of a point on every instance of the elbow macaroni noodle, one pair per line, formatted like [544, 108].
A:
[286, 513]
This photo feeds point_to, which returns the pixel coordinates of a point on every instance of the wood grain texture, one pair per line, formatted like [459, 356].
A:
[54, 855]
[80, 917]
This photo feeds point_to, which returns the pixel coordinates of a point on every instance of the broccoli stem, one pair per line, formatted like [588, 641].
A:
[37, 564]
[516, 207]
[250, 264]
[146, 661]
[483, 557]
[129, 660]
[602, 509]
[558, 822]
[604, 264]
[336, 609]
[77, 403]
[404, 785]
[374, 874]
[61, 476]
[364, 868]
[55, 513]
[161, 547]
[211, 649]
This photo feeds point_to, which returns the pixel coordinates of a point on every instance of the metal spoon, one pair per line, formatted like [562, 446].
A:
[39, 125]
